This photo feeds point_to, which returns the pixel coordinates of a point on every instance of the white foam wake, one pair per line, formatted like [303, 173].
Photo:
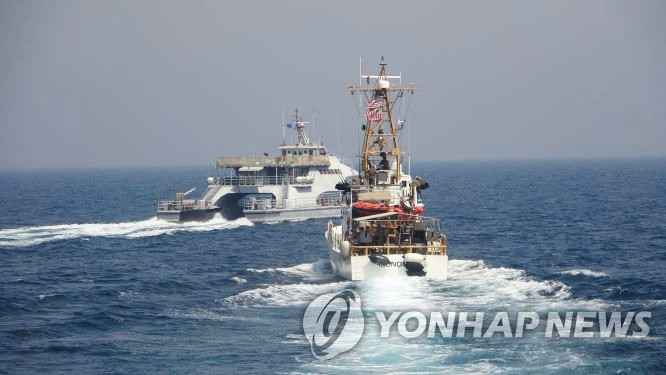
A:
[281, 295]
[202, 314]
[28, 236]
[472, 286]
[320, 268]
[584, 272]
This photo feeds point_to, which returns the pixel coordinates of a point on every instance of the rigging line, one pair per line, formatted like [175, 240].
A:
[405, 112]
[358, 110]
[398, 125]
[395, 122]
[409, 105]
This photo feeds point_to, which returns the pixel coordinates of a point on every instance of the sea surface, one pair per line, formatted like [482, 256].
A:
[92, 282]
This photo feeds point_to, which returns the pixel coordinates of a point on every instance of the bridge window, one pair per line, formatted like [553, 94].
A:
[330, 171]
[249, 200]
[330, 198]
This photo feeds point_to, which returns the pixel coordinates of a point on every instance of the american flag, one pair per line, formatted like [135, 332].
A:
[374, 113]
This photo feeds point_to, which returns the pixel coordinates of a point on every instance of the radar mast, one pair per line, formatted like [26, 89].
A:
[303, 138]
[381, 144]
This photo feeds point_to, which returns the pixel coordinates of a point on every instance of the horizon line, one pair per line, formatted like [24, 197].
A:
[463, 160]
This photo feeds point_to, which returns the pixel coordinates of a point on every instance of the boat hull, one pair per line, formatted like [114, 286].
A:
[255, 216]
[188, 215]
[358, 268]
[277, 215]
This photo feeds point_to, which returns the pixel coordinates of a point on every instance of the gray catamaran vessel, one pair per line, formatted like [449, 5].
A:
[295, 185]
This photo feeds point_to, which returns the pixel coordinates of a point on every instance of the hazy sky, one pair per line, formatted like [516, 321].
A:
[106, 83]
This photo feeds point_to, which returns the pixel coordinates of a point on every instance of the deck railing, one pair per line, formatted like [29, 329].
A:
[281, 161]
[272, 204]
[438, 247]
[434, 248]
[262, 180]
[396, 235]
[184, 205]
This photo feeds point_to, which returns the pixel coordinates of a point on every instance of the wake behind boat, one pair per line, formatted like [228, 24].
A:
[383, 231]
[295, 185]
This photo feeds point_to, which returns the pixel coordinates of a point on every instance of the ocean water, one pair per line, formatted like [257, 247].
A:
[91, 282]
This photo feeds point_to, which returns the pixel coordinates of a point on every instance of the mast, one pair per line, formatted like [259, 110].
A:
[380, 142]
[303, 138]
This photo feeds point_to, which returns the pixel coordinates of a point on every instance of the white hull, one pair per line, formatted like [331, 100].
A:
[357, 268]
[289, 197]
[382, 232]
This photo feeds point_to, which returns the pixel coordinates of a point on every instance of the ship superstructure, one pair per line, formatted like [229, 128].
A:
[383, 231]
[294, 185]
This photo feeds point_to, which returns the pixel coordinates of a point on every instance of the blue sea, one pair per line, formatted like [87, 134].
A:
[92, 282]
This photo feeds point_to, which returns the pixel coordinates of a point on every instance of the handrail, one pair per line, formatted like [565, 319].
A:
[272, 204]
[175, 205]
[432, 248]
[261, 161]
[434, 222]
[262, 180]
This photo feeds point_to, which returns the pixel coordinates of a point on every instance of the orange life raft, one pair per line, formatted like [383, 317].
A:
[361, 209]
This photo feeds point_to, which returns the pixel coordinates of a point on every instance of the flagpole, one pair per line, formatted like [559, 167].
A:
[284, 137]
[314, 128]
[360, 102]
[409, 156]
[337, 125]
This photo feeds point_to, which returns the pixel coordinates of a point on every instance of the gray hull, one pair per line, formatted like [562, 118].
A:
[276, 215]
[256, 216]
[188, 215]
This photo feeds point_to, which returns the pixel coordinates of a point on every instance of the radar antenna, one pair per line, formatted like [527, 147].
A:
[381, 145]
[303, 138]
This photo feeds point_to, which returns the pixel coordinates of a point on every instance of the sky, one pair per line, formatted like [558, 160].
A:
[160, 83]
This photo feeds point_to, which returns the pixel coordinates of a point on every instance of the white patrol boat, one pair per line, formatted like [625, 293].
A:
[383, 231]
[295, 185]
